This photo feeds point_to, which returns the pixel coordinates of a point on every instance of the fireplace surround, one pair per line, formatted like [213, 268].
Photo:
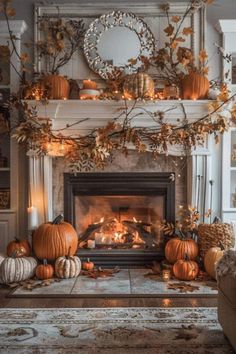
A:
[122, 211]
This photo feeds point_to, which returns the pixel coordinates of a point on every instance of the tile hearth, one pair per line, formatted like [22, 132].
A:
[130, 282]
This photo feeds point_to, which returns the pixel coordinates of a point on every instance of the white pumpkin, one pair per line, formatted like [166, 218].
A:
[67, 267]
[2, 257]
[14, 270]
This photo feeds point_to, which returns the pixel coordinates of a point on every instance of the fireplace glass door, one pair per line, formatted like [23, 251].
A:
[119, 222]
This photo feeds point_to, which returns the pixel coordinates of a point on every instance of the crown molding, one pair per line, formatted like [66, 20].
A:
[226, 26]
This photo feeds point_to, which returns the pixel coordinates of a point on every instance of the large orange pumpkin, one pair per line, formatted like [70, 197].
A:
[176, 249]
[19, 247]
[53, 239]
[59, 87]
[195, 86]
[184, 269]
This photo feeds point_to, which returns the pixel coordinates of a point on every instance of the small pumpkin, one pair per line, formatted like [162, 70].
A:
[213, 255]
[88, 265]
[53, 239]
[185, 269]
[195, 86]
[44, 271]
[176, 249]
[67, 266]
[58, 86]
[15, 269]
[21, 246]
[138, 85]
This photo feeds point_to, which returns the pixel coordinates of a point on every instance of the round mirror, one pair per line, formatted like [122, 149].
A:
[114, 39]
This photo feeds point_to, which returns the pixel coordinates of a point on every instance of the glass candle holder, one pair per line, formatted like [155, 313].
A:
[166, 275]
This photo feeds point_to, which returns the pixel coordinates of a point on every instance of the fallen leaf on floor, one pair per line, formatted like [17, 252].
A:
[182, 287]
[187, 332]
[155, 270]
[100, 273]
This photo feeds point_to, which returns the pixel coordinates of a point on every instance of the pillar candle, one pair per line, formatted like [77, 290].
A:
[91, 243]
[32, 218]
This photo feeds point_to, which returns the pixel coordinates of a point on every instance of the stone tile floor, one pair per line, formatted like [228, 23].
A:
[126, 282]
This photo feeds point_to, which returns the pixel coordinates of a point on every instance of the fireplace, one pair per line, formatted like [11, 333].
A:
[117, 215]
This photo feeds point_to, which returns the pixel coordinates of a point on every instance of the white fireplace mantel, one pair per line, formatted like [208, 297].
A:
[100, 112]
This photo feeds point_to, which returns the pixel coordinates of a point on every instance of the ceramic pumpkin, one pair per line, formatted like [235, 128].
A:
[44, 271]
[185, 269]
[138, 85]
[58, 86]
[16, 269]
[67, 267]
[21, 246]
[177, 248]
[53, 239]
[213, 255]
[195, 86]
[88, 265]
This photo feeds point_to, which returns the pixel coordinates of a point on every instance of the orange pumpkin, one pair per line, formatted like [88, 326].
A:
[44, 271]
[213, 255]
[19, 247]
[59, 87]
[184, 269]
[53, 239]
[195, 86]
[176, 249]
[88, 265]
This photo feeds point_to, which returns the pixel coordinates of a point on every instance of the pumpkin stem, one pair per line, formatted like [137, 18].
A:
[16, 240]
[58, 219]
[68, 253]
[45, 262]
[15, 253]
[88, 260]
[186, 257]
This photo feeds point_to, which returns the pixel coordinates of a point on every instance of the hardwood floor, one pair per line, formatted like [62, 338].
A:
[61, 302]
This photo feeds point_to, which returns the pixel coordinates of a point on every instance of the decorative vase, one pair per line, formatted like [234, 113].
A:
[138, 85]
[59, 87]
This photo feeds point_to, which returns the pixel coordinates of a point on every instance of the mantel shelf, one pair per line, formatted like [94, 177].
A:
[99, 112]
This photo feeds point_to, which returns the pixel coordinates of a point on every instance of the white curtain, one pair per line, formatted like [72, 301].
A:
[40, 191]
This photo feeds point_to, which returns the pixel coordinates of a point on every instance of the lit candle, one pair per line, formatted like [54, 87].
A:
[166, 275]
[91, 244]
[32, 218]
[89, 85]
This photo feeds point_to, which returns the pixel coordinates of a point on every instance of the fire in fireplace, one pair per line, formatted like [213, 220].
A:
[117, 216]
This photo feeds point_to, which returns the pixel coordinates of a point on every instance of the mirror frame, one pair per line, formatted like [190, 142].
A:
[109, 21]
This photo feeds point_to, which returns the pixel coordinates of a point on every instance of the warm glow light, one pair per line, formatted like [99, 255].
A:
[134, 219]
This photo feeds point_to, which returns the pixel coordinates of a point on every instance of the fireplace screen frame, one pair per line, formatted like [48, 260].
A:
[103, 183]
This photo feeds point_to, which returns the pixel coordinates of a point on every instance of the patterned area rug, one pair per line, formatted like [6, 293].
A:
[112, 330]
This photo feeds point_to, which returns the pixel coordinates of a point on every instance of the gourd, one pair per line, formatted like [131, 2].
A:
[176, 249]
[185, 269]
[15, 269]
[44, 271]
[53, 239]
[195, 86]
[213, 255]
[58, 86]
[21, 246]
[88, 265]
[138, 85]
[67, 266]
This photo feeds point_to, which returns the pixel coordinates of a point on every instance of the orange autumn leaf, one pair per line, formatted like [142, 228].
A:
[205, 70]
[203, 56]
[10, 12]
[187, 31]
[175, 19]
[169, 30]
[209, 2]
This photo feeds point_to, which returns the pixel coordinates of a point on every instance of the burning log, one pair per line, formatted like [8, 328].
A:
[145, 235]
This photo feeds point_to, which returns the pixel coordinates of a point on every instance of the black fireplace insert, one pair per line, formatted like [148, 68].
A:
[117, 215]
